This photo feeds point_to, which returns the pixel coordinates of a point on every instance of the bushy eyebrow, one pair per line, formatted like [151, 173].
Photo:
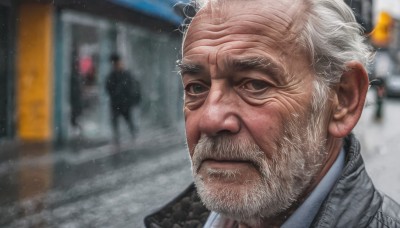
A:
[189, 68]
[262, 64]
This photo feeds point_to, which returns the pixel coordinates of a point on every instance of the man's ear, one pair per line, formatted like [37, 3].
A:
[348, 100]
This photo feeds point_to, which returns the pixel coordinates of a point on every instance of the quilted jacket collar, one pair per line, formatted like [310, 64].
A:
[353, 201]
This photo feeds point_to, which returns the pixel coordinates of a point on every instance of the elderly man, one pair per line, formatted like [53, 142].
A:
[273, 90]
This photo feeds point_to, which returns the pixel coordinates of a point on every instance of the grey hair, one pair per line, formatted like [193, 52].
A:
[331, 36]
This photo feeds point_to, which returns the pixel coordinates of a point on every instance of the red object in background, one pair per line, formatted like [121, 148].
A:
[87, 70]
[85, 65]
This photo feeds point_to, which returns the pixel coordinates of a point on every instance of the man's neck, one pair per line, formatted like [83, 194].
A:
[333, 147]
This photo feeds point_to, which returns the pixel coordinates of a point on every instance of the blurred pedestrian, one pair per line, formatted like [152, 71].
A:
[124, 93]
[382, 66]
[379, 97]
[76, 98]
[273, 90]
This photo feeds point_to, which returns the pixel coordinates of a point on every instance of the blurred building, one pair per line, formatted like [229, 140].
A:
[363, 10]
[43, 42]
[7, 68]
[390, 6]
[386, 39]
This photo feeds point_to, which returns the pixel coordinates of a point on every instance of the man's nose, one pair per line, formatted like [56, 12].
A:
[220, 115]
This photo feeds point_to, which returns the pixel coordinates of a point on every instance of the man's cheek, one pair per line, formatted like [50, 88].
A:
[191, 152]
[192, 132]
[190, 143]
[185, 113]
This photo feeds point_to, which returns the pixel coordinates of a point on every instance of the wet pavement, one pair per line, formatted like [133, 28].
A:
[95, 187]
[380, 142]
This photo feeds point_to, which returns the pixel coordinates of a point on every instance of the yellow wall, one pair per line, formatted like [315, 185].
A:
[34, 71]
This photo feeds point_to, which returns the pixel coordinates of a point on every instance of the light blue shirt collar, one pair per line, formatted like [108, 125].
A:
[305, 214]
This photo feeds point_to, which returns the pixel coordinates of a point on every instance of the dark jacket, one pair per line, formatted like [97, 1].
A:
[123, 90]
[75, 95]
[353, 202]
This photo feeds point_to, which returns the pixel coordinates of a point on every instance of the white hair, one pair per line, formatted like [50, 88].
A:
[330, 36]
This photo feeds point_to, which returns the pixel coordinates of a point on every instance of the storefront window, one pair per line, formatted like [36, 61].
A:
[89, 42]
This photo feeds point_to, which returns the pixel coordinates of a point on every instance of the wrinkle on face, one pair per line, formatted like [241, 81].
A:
[286, 17]
[221, 50]
[246, 24]
[240, 30]
[262, 34]
[238, 25]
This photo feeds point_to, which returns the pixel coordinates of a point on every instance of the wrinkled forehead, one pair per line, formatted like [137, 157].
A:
[281, 19]
[216, 6]
[288, 13]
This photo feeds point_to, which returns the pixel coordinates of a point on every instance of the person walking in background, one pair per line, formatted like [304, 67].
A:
[383, 64]
[124, 92]
[380, 95]
[76, 99]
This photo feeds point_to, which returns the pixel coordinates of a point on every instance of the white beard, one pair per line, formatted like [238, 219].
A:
[298, 157]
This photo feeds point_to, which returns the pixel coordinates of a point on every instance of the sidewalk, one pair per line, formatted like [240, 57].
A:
[21, 154]
[40, 183]
[380, 143]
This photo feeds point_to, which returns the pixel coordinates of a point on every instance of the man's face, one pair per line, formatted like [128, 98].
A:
[248, 91]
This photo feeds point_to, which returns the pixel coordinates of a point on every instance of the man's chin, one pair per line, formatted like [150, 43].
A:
[227, 186]
[243, 197]
[228, 197]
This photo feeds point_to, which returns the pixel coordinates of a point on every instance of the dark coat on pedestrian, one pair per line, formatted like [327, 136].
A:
[353, 201]
[123, 90]
[75, 97]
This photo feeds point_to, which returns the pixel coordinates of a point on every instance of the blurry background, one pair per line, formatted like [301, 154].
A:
[55, 175]
[42, 41]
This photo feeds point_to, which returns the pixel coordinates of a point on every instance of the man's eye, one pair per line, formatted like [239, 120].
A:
[196, 88]
[255, 85]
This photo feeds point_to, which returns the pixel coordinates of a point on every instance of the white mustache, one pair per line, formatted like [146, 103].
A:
[226, 148]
